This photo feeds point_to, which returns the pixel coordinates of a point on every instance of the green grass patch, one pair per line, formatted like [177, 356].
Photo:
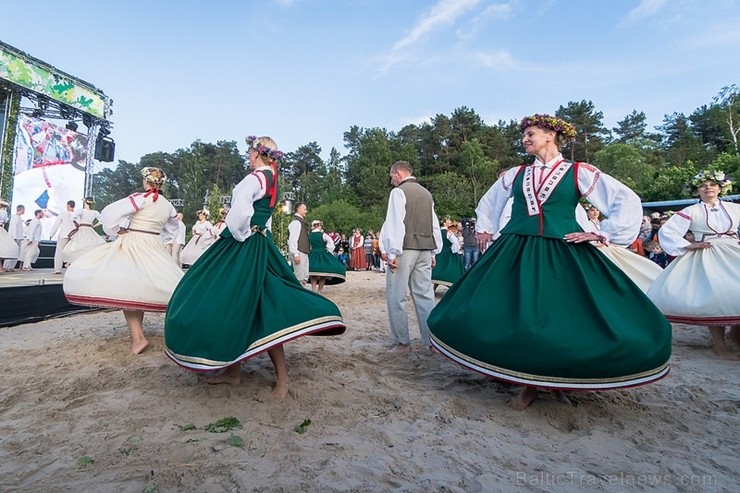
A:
[86, 460]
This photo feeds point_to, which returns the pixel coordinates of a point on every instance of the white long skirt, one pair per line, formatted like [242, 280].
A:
[8, 246]
[641, 270]
[701, 287]
[84, 240]
[195, 248]
[134, 272]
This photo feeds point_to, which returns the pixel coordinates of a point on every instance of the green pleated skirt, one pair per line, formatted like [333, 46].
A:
[323, 264]
[238, 300]
[543, 312]
[448, 268]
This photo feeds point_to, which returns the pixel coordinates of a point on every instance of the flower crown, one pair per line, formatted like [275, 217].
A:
[554, 123]
[154, 176]
[715, 175]
[262, 149]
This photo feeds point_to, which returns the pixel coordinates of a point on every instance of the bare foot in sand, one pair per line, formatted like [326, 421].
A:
[280, 391]
[139, 347]
[719, 345]
[135, 321]
[726, 354]
[560, 397]
[527, 396]
[734, 336]
[232, 376]
[400, 348]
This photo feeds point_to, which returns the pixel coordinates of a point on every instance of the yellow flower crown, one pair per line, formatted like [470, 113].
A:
[558, 125]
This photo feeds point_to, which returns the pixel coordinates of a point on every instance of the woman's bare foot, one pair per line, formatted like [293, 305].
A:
[718, 343]
[400, 348]
[139, 347]
[232, 375]
[560, 397]
[734, 336]
[527, 396]
[277, 356]
[725, 353]
[280, 391]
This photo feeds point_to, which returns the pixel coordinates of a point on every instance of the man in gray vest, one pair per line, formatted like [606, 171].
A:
[298, 244]
[410, 238]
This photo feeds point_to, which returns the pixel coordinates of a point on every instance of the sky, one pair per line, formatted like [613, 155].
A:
[305, 71]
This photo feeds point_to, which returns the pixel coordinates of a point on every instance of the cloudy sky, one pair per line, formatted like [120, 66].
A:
[306, 70]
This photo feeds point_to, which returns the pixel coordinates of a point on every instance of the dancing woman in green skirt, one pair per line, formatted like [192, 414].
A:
[245, 280]
[542, 307]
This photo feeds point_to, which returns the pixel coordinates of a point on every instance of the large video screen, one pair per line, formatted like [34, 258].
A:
[49, 168]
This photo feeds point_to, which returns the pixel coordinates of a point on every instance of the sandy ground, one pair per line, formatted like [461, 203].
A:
[79, 413]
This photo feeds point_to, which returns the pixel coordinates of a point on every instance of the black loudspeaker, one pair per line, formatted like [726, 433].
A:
[105, 150]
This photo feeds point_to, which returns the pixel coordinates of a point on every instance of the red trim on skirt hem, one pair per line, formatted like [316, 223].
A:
[115, 304]
[732, 320]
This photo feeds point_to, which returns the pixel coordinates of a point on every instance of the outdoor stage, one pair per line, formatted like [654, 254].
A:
[30, 296]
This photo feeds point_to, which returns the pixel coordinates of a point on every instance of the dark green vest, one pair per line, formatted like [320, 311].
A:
[548, 221]
[262, 209]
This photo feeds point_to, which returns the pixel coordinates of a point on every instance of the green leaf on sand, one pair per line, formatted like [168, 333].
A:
[223, 425]
[86, 460]
[301, 428]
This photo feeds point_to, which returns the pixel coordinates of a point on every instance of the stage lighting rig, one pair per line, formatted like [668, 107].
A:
[71, 126]
[66, 112]
[87, 120]
[43, 102]
[103, 133]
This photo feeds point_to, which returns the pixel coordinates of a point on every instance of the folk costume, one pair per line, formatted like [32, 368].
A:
[83, 237]
[217, 229]
[411, 237]
[449, 266]
[17, 234]
[8, 246]
[701, 287]
[31, 249]
[245, 279]
[357, 252]
[134, 272]
[540, 311]
[63, 225]
[299, 247]
[200, 241]
[321, 260]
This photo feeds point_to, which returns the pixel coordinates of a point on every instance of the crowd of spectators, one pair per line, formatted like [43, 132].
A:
[366, 257]
[646, 244]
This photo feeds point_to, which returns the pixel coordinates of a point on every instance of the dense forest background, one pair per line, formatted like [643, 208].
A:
[457, 157]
